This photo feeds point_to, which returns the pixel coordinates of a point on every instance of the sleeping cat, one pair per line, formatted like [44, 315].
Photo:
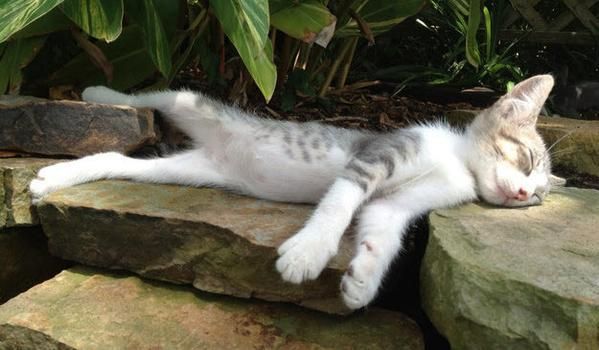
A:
[389, 178]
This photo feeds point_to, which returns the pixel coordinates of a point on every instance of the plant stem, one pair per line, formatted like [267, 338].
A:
[303, 55]
[312, 64]
[290, 47]
[347, 43]
[195, 31]
[273, 36]
[347, 64]
[220, 37]
[319, 69]
[343, 11]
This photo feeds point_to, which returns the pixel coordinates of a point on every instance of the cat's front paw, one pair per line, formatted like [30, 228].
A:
[66, 174]
[48, 180]
[360, 282]
[304, 256]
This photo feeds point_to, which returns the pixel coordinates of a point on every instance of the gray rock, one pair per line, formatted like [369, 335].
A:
[528, 278]
[60, 128]
[15, 200]
[84, 309]
[217, 241]
[22, 338]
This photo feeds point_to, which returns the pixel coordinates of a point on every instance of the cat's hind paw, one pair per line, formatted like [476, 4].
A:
[303, 257]
[102, 94]
[360, 282]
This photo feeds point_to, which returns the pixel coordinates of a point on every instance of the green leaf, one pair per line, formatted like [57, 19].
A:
[17, 14]
[130, 60]
[304, 20]
[262, 68]
[380, 15]
[144, 13]
[51, 22]
[171, 14]
[246, 24]
[472, 52]
[489, 44]
[244, 19]
[101, 19]
[16, 55]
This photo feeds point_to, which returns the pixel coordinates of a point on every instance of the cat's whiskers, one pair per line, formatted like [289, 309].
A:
[563, 152]
[560, 139]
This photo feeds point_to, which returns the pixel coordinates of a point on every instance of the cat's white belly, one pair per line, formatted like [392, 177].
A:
[268, 172]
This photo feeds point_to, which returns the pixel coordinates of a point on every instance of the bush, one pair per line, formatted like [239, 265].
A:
[124, 43]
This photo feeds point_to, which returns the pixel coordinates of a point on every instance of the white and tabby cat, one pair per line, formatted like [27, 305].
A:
[390, 178]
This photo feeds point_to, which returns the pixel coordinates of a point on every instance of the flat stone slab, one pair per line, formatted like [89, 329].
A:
[218, 241]
[84, 309]
[577, 140]
[17, 337]
[15, 200]
[526, 278]
[60, 128]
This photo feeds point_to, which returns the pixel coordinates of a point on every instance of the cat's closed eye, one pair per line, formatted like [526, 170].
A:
[533, 163]
[525, 160]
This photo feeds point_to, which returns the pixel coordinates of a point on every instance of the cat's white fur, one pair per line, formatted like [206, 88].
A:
[451, 167]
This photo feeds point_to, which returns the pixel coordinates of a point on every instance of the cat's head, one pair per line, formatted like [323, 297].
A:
[508, 157]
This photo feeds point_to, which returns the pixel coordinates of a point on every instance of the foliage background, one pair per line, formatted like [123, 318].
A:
[292, 47]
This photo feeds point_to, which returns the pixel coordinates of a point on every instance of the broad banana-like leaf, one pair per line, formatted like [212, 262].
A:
[380, 15]
[170, 12]
[145, 14]
[307, 20]
[246, 24]
[16, 55]
[17, 14]
[101, 19]
[51, 22]
[130, 60]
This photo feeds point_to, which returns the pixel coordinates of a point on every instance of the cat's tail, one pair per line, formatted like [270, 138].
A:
[193, 112]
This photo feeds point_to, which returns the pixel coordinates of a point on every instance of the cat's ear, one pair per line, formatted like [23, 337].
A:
[523, 104]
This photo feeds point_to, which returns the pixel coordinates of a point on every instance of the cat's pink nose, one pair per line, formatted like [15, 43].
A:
[522, 195]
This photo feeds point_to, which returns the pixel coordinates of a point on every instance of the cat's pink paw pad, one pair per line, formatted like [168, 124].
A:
[359, 284]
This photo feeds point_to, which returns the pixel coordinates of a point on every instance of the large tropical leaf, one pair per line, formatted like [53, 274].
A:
[246, 24]
[251, 17]
[51, 22]
[144, 13]
[130, 60]
[102, 19]
[17, 14]
[380, 15]
[16, 54]
[171, 13]
[306, 20]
